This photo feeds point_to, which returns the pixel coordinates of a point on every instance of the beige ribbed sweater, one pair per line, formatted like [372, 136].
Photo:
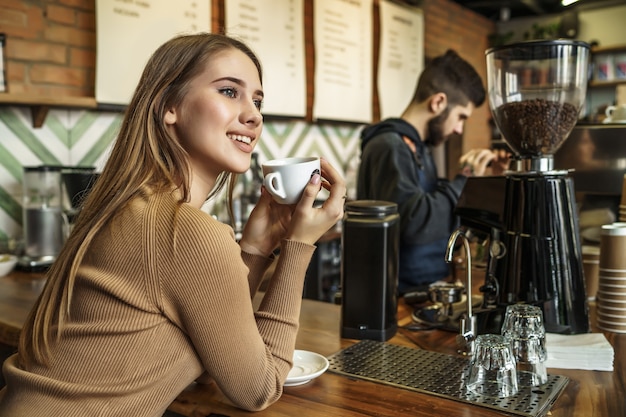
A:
[163, 297]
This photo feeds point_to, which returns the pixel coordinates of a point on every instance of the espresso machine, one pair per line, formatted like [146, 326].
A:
[77, 182]
[527, 219]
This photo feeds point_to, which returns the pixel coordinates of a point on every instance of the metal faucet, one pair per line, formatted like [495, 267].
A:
[467, 325]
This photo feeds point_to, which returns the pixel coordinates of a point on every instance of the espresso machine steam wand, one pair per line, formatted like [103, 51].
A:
[467, 323]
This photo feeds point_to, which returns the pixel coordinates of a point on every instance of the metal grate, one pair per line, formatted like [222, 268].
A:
[438, 374]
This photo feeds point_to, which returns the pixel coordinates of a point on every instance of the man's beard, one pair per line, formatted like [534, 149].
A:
[436, 135]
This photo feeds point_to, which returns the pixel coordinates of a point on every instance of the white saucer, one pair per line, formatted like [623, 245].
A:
[306, 366]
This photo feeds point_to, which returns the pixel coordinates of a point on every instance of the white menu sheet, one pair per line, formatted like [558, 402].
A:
[401, 58]
[274, 30]
[343, 60]
[129, 31]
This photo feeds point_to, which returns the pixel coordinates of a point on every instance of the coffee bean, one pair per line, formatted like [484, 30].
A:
[536, 127]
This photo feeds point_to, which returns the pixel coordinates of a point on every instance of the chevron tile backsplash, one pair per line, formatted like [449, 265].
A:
[83, 138]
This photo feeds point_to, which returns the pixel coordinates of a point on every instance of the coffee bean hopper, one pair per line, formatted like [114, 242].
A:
[527, 218]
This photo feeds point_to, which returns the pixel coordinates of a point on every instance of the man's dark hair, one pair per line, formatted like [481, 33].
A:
[454, 76]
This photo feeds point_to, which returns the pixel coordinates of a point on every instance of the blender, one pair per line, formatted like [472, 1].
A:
[527, 218]
[44, 222]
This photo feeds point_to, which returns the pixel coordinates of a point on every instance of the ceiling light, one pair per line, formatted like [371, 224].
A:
[566, 3]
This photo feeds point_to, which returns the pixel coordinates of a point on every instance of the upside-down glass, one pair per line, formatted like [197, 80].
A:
[492, 370]
[523, 327]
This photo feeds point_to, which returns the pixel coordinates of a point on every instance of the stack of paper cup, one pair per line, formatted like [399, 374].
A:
[611, 295]
[591, 264]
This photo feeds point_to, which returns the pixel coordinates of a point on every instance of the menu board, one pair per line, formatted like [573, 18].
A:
[274, 29]
[129, 31]
[343, 60]
[401, 58]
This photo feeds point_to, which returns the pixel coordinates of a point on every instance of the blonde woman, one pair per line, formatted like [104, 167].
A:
[150, 293]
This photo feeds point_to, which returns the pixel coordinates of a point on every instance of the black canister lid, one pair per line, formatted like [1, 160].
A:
[371, 207]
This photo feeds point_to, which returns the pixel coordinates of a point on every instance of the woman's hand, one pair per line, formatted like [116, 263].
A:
[270, 222]
[266, 226]
[308, 224]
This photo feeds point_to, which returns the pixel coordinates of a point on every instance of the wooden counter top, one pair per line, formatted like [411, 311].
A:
[588, 393]
[18, 293]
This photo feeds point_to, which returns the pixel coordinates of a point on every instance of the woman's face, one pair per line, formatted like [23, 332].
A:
[219, 121]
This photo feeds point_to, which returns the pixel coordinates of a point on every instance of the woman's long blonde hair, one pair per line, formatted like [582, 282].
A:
[144, 157]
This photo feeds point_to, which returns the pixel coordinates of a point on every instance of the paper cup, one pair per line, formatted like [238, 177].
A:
[613, 246]
[591, 264]
[612, 273]
[610, 326]
[609, 296]
[613, 290]
[608, 314]
[613, 310]
[612, 284]
[616, 316]
[611, 316]
[611, 319]
[610, 304]
[611, 281]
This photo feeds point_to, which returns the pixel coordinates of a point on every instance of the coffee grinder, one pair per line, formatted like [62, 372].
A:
[77, 183]
[527, 218]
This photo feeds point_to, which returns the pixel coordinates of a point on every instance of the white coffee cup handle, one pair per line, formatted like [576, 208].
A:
[609, 111]
[274, 184]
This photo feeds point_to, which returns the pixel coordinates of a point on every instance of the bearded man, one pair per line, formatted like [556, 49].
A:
[397, 165]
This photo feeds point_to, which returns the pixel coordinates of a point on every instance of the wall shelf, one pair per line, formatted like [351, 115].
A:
[40, 105]
[612, 83]
[608, 84]
[608, 49]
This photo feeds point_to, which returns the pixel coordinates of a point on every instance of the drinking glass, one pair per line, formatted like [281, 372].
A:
[492, 369]
[524, 329]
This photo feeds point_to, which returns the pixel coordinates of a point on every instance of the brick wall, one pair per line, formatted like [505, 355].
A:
[448, 25]
[51, 47]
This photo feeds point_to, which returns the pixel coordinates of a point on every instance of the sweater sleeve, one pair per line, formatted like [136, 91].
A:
[257, 265]
[389, 172]
[204, 289]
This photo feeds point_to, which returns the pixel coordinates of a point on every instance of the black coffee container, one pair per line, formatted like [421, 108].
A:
[369, 270]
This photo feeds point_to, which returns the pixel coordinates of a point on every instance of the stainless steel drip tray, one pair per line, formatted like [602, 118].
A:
[438, 374]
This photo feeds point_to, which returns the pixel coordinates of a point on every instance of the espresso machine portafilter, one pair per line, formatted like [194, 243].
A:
[527, 218]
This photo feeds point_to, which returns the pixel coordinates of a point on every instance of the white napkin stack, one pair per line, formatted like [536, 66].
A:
[589, 351]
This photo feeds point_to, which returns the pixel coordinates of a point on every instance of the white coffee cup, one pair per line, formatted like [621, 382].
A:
[286, 178]
[616, 113]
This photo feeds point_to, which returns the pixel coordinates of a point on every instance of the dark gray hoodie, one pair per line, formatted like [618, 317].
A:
[390, 171]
